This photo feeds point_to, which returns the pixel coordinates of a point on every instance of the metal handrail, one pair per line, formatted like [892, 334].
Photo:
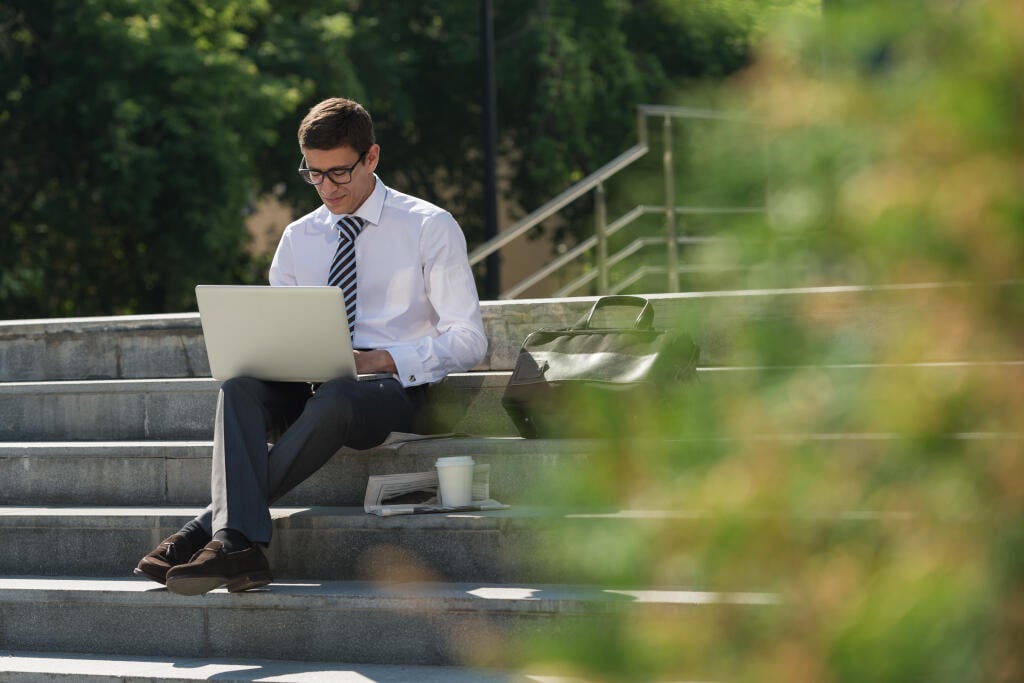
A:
[589, 243]
[553, 206]
[644, 271]
[624, 253]
[595, 182]
[641, 242]
[571, 255]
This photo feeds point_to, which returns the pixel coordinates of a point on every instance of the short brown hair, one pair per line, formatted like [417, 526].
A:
[337, 122]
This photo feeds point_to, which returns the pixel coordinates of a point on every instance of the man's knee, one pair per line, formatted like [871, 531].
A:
[369, 401]
[340, 388]
[335, 397]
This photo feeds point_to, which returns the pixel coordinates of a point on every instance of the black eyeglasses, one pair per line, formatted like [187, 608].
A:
[339, 175]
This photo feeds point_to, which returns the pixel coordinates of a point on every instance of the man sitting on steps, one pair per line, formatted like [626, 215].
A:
[413, 312]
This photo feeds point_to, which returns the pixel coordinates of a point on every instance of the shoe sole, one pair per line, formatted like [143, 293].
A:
[198, 585]
[160, 578]
[249, 581]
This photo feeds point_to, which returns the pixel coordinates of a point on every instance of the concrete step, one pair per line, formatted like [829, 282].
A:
[467, 624]
[322, 542]
[516, 544]
[153, 473]
[172, 346]
[109, 347]
[48, 667]
[723, 322]
[177, 473]
[183, 409]
[108, 410]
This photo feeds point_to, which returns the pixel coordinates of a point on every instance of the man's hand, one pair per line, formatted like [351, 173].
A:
[378, 360]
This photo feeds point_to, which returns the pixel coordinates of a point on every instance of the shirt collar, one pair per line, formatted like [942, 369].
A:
[370, 210]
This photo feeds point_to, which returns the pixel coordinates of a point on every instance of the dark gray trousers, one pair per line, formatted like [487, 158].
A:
[306, 427]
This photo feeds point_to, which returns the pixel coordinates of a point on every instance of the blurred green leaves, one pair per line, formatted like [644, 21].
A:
[856, 452]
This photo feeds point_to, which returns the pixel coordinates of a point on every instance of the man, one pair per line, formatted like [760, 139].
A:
[414, 315]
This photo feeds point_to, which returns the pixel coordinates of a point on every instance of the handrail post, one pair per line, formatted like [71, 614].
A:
[670, 212]
[600, 231]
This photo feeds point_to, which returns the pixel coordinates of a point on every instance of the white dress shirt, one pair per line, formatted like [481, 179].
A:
[417, 298]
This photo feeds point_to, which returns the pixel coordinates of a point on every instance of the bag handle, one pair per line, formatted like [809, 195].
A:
[644, 320]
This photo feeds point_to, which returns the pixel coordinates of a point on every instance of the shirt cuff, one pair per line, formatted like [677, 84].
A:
[407, 362]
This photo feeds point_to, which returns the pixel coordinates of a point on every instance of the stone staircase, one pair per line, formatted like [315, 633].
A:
[105, 427]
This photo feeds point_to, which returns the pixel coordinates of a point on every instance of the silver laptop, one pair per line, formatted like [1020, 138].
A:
[292, 334]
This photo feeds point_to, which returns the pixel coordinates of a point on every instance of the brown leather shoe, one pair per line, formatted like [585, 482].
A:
[172, 551]
[212, 568]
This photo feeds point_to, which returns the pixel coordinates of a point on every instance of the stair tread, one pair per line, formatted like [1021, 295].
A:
[487, 377]
[347, 594]
[320, 516]
[76, 666]
[426, 445]
[114, 383]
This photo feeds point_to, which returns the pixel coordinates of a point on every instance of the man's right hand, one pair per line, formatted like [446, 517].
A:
[377, 360]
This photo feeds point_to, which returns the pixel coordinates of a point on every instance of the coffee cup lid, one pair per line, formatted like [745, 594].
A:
[455, 460]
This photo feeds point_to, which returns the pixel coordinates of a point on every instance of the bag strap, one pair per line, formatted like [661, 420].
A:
[644, 320]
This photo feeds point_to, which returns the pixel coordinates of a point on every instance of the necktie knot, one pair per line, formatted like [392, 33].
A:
[349, 228]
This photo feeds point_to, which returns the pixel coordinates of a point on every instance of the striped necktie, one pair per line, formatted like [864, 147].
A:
[343, 268]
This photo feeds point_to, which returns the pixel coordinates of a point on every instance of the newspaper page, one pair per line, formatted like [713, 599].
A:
[416, 493]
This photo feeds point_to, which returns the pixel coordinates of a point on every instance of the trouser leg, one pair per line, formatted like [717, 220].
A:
[249, 412]
[340, 413]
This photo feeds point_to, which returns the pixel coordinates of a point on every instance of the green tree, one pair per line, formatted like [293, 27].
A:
[137, 134]
[133, 134]
[569, 77]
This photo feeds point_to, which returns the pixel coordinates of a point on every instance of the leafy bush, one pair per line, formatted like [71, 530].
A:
[875, 491]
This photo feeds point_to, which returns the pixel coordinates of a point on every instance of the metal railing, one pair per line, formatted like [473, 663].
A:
[594, 183]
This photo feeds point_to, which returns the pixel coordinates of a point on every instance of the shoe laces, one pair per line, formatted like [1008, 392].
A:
[176, 552]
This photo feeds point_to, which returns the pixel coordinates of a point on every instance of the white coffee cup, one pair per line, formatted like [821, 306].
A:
[455, 479]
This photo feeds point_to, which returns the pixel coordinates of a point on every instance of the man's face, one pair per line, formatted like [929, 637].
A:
[344, 197]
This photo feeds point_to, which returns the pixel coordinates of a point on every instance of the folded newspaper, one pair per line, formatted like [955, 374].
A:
[416, 493]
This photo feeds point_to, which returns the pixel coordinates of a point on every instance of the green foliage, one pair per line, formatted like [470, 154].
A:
[569, 76]
[128, 131]
[880, 502]
[138, 135]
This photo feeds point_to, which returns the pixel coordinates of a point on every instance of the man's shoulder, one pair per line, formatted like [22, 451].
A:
[315, 220]
[414, 206]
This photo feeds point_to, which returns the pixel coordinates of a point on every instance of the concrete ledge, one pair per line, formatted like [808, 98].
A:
[178, 473]
[114, 347]
[723, 322]
[183, 409]
[42, 666]
[151, 473]
[345, 543]
[105, 473]
[108, 410]
[321, 542]
[411, 623]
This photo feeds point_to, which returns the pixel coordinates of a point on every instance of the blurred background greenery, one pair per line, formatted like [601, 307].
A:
[871, 480]
[139, 135]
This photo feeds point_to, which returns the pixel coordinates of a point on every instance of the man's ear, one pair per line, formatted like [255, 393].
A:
[372, 157]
